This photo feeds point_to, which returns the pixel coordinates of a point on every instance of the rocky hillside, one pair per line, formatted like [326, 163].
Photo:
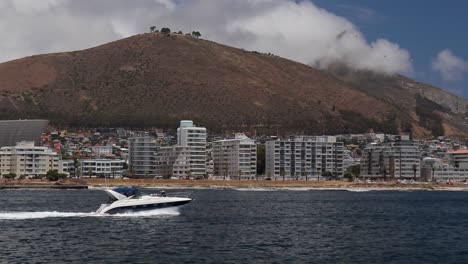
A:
[431, 110]
[157, 79]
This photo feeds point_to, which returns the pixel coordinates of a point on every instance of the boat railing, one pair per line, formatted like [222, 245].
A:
[172, 194]
[179, 194]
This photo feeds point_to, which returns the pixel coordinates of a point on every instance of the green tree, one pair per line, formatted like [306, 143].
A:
[131, 171]
[283, 173]
[260, 159]
[152, 28]
[54, 175]
[327, 174]
[225, 170]
[196, 34]
[9, 176]
[165, 30]
[76, 165]
[348, 175]
[355, 170]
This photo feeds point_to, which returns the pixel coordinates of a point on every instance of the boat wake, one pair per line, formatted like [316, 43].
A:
[55, 214]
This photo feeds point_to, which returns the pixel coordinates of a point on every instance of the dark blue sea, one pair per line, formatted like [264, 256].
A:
[238, 226]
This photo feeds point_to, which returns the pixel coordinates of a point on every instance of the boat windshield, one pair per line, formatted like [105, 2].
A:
[127, 191]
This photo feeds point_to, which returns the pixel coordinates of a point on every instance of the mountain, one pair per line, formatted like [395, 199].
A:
[157, 79]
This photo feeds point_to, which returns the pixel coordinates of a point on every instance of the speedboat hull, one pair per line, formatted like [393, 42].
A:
[128, 199]
[143, 207]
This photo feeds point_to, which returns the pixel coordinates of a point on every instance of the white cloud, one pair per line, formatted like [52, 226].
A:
[299, 31]
[450, 67]
[29, 7]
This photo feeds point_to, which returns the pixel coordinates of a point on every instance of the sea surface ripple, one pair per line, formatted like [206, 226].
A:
[236, 226]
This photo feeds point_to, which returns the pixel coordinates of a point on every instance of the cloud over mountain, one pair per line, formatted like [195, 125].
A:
[297, 30]
[450, 67]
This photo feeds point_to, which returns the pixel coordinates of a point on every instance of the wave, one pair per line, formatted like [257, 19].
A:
[255, 189]
[55, 214]
[358, 190]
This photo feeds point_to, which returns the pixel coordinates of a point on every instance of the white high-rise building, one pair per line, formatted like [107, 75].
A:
[304, 157]
[142, 156]
[398, 159]
[193, 138]
[27, 160]
[235, 158]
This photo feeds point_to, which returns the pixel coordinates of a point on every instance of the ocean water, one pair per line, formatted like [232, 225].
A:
[238, 226]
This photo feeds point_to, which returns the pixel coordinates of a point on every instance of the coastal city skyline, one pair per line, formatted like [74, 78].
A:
[192, 152]
[233, 131]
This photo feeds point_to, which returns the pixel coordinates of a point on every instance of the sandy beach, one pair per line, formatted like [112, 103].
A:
[99, 183]
[272, 185]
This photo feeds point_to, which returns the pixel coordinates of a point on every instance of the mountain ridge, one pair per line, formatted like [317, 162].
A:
[156, 79]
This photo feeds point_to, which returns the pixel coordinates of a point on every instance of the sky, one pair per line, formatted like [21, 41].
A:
[422, 39]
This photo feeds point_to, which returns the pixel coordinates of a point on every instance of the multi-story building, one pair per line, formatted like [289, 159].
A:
[236, 158]
[304, 156]
[398, 159]
[68, 167]
[458, 158]
[142, 156]
[193, 138]
[449, 173]
[101, 151]
[101, 168]
[173, 161]
[26, 159]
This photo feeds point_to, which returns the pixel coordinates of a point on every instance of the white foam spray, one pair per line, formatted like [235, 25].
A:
[55, 214]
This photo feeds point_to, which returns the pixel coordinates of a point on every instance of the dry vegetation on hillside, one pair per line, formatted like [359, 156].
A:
[156, 79]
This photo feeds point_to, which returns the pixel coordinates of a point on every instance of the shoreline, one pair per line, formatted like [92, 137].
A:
[272, 185]
[97, 184]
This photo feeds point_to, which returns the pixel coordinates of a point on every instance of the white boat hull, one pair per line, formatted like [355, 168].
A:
[139, 204]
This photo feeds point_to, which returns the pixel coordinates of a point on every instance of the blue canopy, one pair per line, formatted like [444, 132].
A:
[127, 191]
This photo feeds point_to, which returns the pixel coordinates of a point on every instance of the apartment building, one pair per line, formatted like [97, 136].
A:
[398, 159]
[173, 161]
[458, 158]
[101, 151]
[26, 159]
[142, 156]
[235, 158]
[301, 157]
[68, 167]
[193, 139]
[101, 168]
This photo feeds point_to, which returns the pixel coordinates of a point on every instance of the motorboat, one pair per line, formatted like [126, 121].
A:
[129, 199]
